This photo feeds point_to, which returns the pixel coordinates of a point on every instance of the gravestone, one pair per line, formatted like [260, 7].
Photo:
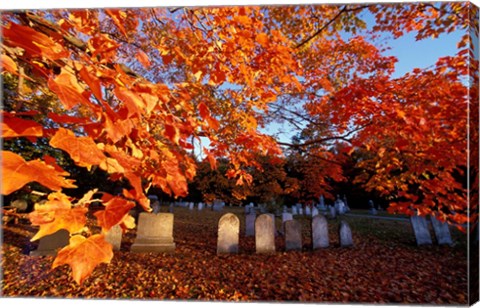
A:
[322, 206]
[218, 205]
[442, 233]
[420, 229]
[345, 234]
[286, 216]
[314, 212]
[191, 205]
[170, 208]
[156, 207]
[308, 211]
[294, 210]
[200, 206]
[300, 210]
[228, 230]
[154, 233]
[114, 237]
[293, 235]
[50, 244]
[333, 212]
[320, 232]
[274, 224]
[250, 224]
[264, 234]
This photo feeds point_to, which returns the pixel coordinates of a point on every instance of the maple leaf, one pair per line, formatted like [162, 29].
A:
[118, 18]
[84, 254]
[55, 214]
[33, 42]
[143, 58]
[82, 150]
[18, 127]
[68, 90]
[114, 213]
[17, 172]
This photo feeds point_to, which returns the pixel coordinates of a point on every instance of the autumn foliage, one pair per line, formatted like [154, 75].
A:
[136, 90]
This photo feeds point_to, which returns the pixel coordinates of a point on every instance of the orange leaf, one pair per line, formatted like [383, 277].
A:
[82, 150]
[55, 214]
[68, 90]
[114, 213]
[92, 81]
[17, 172]
[34, 43]
[9, 65]
[18, 127]
[118, 18]
[143, 58]
[84, 254]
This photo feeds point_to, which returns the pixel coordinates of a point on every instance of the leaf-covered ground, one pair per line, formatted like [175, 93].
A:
[384, 266]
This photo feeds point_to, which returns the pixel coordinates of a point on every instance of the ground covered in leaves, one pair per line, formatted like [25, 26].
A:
[384, 266]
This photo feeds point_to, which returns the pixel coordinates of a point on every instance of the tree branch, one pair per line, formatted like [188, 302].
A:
[322, 28]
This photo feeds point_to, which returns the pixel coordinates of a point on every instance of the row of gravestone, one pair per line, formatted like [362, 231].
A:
[155, 234]
[422, 232]
[229, 229]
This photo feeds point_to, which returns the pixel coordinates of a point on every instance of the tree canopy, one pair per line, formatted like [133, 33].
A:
[133, 91]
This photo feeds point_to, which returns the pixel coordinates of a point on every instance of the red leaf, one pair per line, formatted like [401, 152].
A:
[17, 172]
[18, 127]
[84, 254]
[82, 150]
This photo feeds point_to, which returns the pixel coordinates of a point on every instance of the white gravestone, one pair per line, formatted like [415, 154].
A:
[320, 237]
[420, 229]
[154, 233]
[345, 234]
[294, 210]
[228, 233]
[293, 235]
[441, 231]
[314, 212]
[264, 234]
[50, 244]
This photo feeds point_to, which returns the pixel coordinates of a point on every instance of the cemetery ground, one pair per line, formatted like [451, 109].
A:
[384, 266]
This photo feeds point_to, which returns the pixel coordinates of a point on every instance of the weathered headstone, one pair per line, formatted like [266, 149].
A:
[345, 234]
[50, 244]
[250, 224]
[114, 237]
[420, 229]
[264, 234]
[200, 206]
[441, 231]
[154, 233]
[294, 210]
[314, 212]
[320, 237]
[228, 230]
[300, 210]
[191, 205]
[293, 235]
